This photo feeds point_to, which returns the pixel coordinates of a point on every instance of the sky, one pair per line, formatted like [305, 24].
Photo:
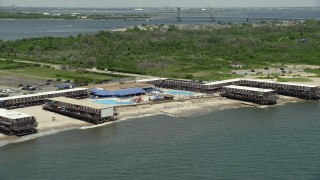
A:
[161, 3]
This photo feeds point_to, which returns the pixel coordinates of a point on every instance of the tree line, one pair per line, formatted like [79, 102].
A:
[204, 53]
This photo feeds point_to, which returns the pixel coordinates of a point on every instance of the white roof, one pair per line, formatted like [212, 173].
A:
[296, 84]
[152, 79]
[222, 82]
[284, 83]
[42, 93]
[260, 80]
[12, 114]
[85, 103]
[249, 88]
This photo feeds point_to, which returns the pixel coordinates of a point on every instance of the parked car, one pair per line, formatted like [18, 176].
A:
[26, 87]
[32, 88]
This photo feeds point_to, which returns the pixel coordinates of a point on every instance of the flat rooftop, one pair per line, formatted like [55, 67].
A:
[13, 114]
[260, 80]
[42, 93]
[222, 82]
[82, 102]
[249, 88]
[122, 85]
[283, 83]
[185, 80]
[296, 84]
[152, 79]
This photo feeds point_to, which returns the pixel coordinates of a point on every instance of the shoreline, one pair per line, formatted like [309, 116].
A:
[180, 109]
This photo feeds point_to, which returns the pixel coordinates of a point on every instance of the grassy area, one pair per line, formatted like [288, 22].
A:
[168, 51]
[315, 71]
[45, 73]
[298, 79]
[13, 65]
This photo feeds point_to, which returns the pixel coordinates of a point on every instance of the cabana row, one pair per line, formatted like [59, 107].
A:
[289, 89]
[122, 93]
[217, 85]
[249, 94]
[38, 99]
[83, 110]
[182, 85]
[16, 123]
[303, 91]
[195, 86]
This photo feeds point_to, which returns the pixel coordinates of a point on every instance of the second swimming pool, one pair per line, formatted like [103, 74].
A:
[112, 102]
[177, 92]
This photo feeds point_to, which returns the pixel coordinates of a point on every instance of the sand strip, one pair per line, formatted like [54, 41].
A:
[50, 122]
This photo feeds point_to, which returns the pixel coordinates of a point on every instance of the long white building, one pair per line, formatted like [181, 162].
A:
[38, 98]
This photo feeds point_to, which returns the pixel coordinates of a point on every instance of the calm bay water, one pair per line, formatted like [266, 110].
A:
[280, 142]
[18, 29]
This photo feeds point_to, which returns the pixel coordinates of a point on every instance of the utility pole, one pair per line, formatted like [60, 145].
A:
[165, 68]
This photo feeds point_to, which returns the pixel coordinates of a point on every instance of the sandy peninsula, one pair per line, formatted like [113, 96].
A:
[50, 123]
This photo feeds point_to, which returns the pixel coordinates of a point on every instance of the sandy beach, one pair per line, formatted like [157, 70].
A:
[182, 108]
[46, 124]
[53, 122]
[50, 123]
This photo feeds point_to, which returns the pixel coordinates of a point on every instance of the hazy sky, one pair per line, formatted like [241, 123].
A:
[160, 3]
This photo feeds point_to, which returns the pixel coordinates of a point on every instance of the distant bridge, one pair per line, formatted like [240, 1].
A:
[121, 17]
[245, 19]
[212, 18]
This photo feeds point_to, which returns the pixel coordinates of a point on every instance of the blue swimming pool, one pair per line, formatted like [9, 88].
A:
[112, 102]
[177, 92]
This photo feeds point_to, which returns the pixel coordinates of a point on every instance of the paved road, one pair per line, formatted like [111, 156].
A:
[138, 76]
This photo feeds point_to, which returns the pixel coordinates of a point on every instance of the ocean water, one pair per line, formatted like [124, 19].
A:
[280, 142]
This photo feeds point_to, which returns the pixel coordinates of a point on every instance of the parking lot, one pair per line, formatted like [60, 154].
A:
[13, 85]
[267, 71]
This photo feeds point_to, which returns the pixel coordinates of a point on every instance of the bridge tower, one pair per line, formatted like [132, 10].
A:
[211, 14]
[178, 15]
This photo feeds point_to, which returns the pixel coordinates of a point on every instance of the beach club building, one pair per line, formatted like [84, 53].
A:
[39, 98]
[303, 91]
[175, 84]
[16, 123]
[217, 85]
[80, 109]
[250, 94]
[195, 86]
